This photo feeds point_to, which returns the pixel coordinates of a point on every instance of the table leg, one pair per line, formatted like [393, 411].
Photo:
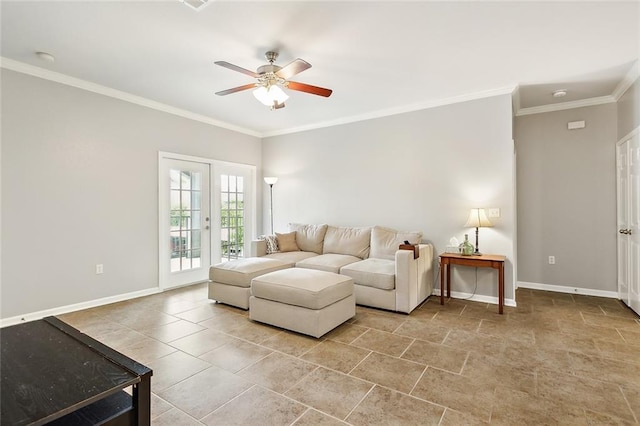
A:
[443, 267]
[449, 281]
[500, 287]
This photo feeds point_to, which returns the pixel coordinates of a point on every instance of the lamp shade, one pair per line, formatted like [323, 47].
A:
[478, 219]
[270, 95]
[270, 180]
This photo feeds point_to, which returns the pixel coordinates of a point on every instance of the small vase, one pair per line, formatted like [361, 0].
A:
[466, 248]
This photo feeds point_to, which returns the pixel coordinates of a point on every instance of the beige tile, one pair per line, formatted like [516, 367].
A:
[599, 419]
[123, 338]
[173, 368]
[535, 357]
[291, 343]
[512, 407]
[345, 333]
[493, 372]
[566, 341]
[467, 341]
[602, 397]
[620, 310]
[386, 343]
[201, 342]
[451, 306]
[626, 352]
[456, 322]
[315, 418]
[205, 391]
[456, 418]
[604, 369]
[455, 391]
[511, 330]
[145, 351]
[612, 322]
[330, 392]
[388, 371]
[435, 355]
[484, 311]
[591, 331]
[630, 336]
[423, 331]
[172, 331]
[145, 318]
[254, 332]
[175, 417]
[159, 406]
[387, 407]
[632, 395]
[236, 355]
[225, 322]
[379, 321]
[336, 356]
[277, 371]
[201, 313]
[257, 406]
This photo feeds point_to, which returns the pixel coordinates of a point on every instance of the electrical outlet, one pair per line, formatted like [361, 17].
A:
[552, 260]
[494, 212]
[99, 269]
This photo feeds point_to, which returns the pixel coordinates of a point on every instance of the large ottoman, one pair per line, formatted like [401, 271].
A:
[304, 300]
[230, 282]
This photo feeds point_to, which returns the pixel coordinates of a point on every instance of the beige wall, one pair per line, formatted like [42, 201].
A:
[566, 198]
[80, 187]
[421, 171]
[629, 110]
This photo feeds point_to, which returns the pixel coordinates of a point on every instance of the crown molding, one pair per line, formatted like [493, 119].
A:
[566, 105]
[394, 111]
[630, 77]
[57, 77]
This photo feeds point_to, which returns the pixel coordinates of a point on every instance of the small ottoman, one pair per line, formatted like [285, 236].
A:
[231, 281]
[304, 300]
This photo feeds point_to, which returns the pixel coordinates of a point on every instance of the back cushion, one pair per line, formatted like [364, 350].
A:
[351, 241]
[385, 241]
[309, 237]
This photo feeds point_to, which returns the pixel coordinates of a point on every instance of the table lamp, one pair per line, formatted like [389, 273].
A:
[478, 219]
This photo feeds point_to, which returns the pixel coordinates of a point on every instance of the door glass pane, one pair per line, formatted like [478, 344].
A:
[232, 217]
[185, 199]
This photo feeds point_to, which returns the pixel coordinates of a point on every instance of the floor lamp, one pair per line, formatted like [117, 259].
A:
[477, 219]
[271, 181]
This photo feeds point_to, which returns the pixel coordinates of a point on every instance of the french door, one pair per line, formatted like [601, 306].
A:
[628, 214]
[185, 222]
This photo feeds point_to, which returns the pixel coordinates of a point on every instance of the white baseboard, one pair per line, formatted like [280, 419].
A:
[4, 322]
[476, 297]
[570, 290]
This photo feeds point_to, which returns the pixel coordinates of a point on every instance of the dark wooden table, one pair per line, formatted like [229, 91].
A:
[51, 373]
[494, 261]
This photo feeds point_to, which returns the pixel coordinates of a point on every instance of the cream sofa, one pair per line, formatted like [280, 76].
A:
[384, 277]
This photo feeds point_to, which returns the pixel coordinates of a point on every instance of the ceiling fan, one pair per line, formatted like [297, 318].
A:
[270, 80]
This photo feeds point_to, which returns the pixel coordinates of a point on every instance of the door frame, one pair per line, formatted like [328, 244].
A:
[213, 214]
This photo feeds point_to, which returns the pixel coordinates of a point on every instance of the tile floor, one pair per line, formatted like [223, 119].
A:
[555, 359]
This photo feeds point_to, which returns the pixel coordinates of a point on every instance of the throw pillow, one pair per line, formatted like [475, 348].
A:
[309, 237]
[287, 242]
[385, 241]
[272, 243]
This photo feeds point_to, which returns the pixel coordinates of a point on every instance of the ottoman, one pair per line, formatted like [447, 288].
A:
[230, 282]
[304, 300]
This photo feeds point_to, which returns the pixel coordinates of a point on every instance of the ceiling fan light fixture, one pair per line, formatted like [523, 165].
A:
[270, 96]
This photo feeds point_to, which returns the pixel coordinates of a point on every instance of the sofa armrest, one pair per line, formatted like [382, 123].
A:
[258, 248]
[414, 277]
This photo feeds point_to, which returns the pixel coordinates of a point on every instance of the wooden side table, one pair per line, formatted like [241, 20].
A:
[494, 261]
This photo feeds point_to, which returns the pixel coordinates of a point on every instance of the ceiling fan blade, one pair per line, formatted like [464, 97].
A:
[236, 89]
[237, 68]
[293, 68]
[314, 90]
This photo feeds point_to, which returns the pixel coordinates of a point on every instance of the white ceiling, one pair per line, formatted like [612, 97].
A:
[378, 57]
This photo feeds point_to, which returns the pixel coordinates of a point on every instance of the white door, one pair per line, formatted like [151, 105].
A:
[633, 226]
[629, 222]
[185, 222]
[233, 219]
[622, 167]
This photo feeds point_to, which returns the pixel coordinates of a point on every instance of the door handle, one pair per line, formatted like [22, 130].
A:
[623, 231]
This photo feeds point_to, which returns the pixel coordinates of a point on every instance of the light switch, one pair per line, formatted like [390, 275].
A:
[494, 212]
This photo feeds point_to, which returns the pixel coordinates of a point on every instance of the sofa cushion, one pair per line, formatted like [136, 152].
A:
[291, 257]
[327, 262]
[309, 237]
[372, 272]
[240, 272]
[351, 241]
[271, 242]
[287, 242]
[385, 241]
[302, 287]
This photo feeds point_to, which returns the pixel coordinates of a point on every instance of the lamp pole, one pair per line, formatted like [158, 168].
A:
[271, 181]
